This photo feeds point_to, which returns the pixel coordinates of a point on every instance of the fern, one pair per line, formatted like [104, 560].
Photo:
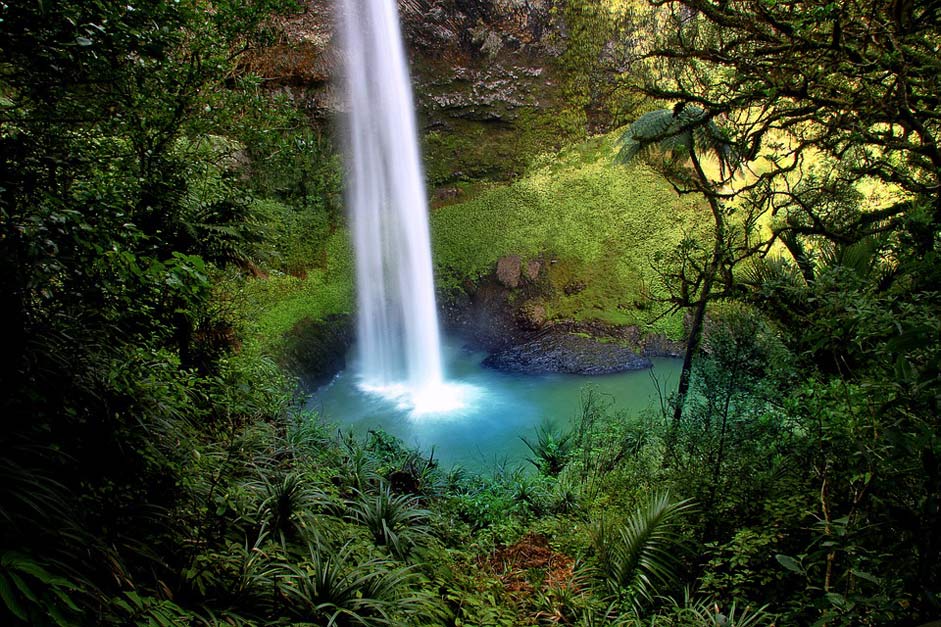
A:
[678, 132]
[640, 557]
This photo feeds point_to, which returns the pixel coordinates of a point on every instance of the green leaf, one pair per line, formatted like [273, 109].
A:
[23, 587]
[10, 600]
[25, 565]
[866, 576]
[58, 617]
[66, 599]
[839, 601]
[790, 563]
[83, 41]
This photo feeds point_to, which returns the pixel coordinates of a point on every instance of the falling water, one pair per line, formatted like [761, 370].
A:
[397, 325]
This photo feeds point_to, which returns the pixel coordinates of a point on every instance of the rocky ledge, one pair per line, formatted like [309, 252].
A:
[568, 353]
[315, 350]
[502, 315]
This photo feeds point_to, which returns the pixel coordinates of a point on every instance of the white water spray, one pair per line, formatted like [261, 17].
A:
[397, 324]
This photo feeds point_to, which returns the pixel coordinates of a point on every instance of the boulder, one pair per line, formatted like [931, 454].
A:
[556, 352]
[532, 270]
[509, 269]
[657, 345]
[315, 350]
[531, 316]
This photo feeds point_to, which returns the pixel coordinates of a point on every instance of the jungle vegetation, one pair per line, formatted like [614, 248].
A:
[156, 468]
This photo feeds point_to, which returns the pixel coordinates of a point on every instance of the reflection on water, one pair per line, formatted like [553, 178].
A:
[478, 416]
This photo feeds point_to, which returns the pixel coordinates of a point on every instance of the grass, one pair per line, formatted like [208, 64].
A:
[595, 224]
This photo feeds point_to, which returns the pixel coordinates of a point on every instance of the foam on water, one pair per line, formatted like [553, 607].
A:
[442, 401]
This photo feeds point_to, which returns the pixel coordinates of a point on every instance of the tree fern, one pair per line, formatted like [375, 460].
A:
[678, 132]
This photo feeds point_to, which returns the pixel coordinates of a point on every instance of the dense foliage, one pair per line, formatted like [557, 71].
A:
[155, 467]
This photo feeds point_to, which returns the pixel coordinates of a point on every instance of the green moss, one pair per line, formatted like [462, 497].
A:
[276, 303]
[470, 150]
[599, 226]
[596, 227]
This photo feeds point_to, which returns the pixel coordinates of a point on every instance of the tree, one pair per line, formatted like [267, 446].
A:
[114, 207]
[823, 99]
[685, 135]
[855, 82]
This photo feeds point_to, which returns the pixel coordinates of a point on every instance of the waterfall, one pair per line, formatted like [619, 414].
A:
[398, 340]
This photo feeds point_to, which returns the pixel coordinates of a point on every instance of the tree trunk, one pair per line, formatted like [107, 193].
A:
[699, 313]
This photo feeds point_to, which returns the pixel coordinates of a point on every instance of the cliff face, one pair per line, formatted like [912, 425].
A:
[480, 59]
[485, 74]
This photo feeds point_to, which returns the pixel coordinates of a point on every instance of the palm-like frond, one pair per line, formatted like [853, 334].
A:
[862, 257]
[551, 450]
[640, 556]
[767, 273]
[334, 589]
[394, 521]
[680, 132]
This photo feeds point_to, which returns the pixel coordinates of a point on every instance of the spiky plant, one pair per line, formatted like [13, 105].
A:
[256, 569]
[527, 491]
[358, 467]
[551, 449]
[704, 612]
[287, 503]
[393, 520]
[639, 557]
[455, 480]
[332, 589]
[734, 615]
[416, 473]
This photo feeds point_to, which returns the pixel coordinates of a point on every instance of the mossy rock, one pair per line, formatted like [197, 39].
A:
[315, 350]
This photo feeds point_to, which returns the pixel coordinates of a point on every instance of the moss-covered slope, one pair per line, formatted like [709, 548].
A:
[597, 227]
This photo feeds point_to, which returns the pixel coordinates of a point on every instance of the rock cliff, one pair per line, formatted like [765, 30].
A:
[486, 73]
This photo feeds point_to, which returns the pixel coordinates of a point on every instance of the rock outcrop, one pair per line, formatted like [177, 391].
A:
[504, 314]
[486, 76]
[477, 59]
[568, 353]
[315, 350]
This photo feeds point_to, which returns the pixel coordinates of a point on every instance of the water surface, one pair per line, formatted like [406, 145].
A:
[497, 409]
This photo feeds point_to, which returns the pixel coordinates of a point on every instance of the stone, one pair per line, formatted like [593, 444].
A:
[568, 353]
[657, 345]
[532, 270]
[531, 316]
[574, 287]
[509, 269]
